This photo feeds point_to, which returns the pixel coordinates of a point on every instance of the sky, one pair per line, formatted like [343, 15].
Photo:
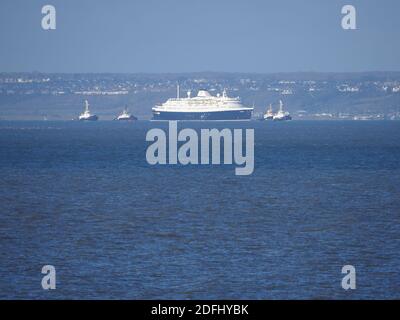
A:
[160, 36]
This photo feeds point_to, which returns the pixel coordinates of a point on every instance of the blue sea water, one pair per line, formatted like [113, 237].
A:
[81, 197]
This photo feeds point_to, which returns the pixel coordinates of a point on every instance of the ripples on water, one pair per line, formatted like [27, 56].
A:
[80, 196]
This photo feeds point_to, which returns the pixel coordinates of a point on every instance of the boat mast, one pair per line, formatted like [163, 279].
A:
[177, 91]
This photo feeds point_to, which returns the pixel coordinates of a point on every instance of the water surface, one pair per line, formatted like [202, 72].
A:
[81, 197]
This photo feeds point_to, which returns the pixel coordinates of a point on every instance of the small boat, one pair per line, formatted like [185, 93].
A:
[282, 115]
[269, 115]
[86, 115]
[125, 115]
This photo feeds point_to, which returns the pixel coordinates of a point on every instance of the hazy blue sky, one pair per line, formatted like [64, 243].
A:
[206, 35]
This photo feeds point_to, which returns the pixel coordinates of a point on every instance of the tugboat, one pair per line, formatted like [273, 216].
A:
[269, 115]
[86, 115]
[282, 115]
[125, 115]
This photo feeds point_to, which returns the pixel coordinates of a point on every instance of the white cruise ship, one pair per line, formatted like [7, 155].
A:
[86, 115]
[202, 107]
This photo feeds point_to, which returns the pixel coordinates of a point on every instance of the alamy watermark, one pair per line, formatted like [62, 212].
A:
[348, 21]
[349, 280]
[49, 280]
[49, 20]
[190, 153]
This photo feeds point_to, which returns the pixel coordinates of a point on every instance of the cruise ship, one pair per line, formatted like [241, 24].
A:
[204, 106]
[86, 115]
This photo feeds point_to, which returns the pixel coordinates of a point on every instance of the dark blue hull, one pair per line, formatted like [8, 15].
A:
[284, 119]
[131, 118]
[219, 115]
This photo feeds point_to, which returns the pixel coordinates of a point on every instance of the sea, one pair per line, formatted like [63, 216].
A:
[82, 198]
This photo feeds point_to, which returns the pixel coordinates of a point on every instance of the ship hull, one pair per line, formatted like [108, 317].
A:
[132, 118]
[286, 118]
[203, 116]
[268, 118]
[91, 118]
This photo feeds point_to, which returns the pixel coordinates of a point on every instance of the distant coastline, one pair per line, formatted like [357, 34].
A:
[307, 95]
